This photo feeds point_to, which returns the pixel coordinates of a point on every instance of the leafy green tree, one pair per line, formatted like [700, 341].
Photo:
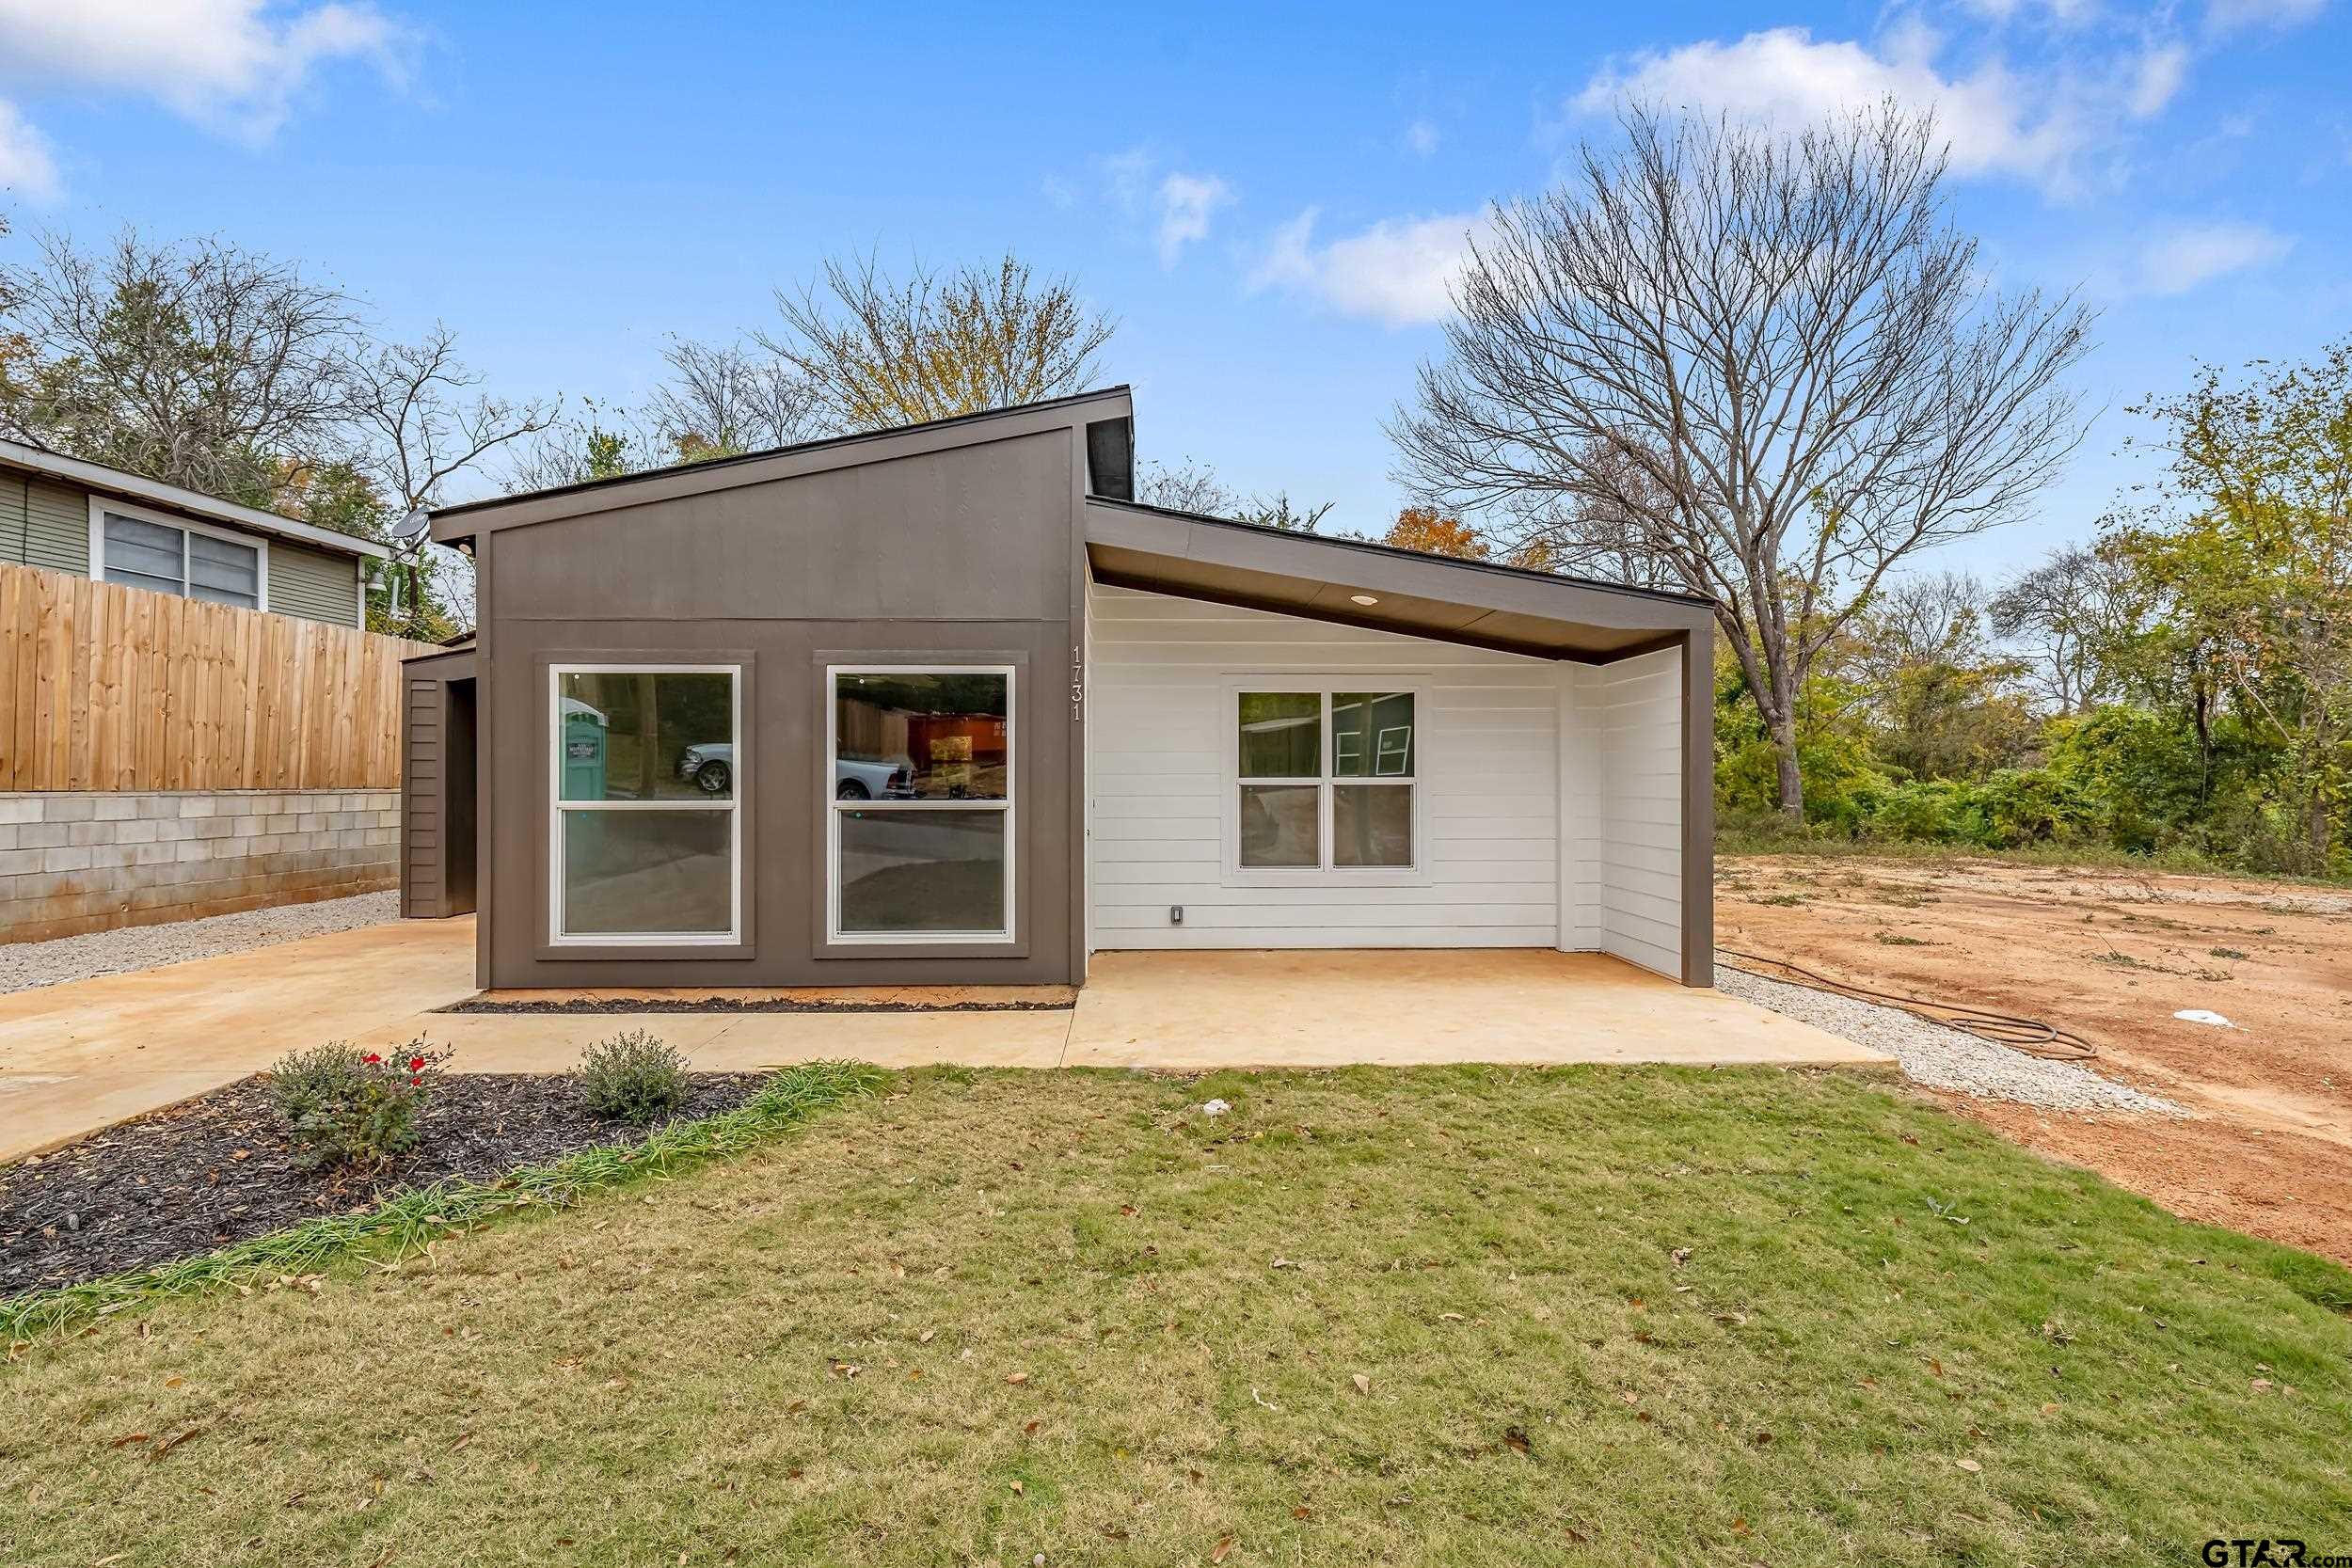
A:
[2250, 544]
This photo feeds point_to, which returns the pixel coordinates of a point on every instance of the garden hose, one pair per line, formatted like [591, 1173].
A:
[2029, 1035]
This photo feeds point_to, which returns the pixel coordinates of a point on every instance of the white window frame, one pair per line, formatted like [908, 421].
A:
[834, 935]
[1321, 687]
[558, 808]
[101, 505]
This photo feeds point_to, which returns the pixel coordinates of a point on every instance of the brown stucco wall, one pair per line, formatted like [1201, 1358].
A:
[964, 555]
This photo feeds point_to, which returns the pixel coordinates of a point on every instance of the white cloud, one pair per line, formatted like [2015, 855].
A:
[1420, 138]
[28, 168]
[2227, 15]
[1786, 77]
[2181, 258]
[2062, 13]
[1399, 271]
[1179, 206]
[1185, 204]
[222, 63]
[2159, 74]
[1128, 175]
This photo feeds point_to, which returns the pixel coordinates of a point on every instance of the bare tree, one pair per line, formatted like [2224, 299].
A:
[201, 364]
[1275, 512]
[1191, 487]
[722, 400]
[598, 442]
[420, 420]
[2068, 611]
[1765, 365]
[882, 353]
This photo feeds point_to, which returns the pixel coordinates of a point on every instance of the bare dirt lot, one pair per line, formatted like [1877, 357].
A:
[2112, 954]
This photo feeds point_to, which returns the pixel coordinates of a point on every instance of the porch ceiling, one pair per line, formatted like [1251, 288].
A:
[1130, 545]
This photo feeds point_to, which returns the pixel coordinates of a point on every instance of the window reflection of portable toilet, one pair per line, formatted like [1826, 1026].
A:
[583, 751]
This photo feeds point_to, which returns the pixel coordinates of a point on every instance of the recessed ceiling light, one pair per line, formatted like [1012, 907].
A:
[1363, 599]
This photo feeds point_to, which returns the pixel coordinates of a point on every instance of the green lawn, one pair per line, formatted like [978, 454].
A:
[994, 1315]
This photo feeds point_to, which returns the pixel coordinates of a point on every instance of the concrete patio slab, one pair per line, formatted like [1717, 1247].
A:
[743, 1043]
[76, 1058]
[1201, 1011]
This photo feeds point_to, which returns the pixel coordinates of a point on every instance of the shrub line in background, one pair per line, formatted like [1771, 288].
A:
[405, 1224]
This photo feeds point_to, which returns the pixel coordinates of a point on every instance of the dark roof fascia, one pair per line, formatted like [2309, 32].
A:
[471, 518]
[1671, 595]
[448, 664]
[1383, 568]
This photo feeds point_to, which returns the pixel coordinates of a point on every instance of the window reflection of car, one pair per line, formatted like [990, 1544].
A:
[872, 780]
[711, 766]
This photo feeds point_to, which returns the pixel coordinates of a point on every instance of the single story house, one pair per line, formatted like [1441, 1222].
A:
[946, 705]
[85, 519]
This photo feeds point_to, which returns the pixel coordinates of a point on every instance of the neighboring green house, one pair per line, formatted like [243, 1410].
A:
[67, 516]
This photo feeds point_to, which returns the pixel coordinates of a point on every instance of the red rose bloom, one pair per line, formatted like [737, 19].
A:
[371, 1058]
[415, 1064]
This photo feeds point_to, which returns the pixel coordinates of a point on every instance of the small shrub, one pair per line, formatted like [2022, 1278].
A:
[634, 1078]
[344, 1106]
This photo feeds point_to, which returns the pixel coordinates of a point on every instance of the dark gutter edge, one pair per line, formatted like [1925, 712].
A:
[1376, 547]
[714, 465]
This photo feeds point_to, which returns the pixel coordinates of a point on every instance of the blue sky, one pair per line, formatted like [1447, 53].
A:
[1268, 204]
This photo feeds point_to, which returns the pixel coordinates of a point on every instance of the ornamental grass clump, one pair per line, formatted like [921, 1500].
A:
[635, 1077]
[345, 1106]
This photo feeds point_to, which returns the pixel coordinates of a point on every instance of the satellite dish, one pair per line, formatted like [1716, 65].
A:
[412, 528]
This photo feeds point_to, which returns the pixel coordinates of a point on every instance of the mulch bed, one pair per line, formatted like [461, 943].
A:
[219, 1169]
[745, 1005]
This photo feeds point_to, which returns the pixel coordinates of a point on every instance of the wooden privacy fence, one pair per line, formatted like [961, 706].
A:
[113, 687]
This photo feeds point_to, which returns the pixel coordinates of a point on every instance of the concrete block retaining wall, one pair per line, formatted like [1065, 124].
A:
[72, 862]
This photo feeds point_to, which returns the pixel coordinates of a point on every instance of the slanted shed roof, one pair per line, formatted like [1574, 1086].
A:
[466, 521]
[1504, 608]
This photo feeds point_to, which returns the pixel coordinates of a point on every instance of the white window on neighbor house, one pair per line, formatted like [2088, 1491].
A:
[646, 780]
[919, 838]
[1324, 781]
[172, 555]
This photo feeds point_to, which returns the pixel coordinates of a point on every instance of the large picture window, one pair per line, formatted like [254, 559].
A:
[919, 765]
[169, 555]
[646, 780]
[1324, 780]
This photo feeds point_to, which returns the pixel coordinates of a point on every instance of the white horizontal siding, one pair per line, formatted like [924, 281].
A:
[1489, 758]
[1634, 711]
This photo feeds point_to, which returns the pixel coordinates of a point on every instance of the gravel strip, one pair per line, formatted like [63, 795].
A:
[26, 965]
[1943, 1057]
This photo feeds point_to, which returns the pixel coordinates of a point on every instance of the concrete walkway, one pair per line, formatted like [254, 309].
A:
[76, 1058]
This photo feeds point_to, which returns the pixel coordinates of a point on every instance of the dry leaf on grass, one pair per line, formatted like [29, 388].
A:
[1217, 1553]
[1363, 1383]
[170, 1443]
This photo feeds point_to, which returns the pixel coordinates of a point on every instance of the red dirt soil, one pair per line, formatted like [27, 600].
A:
[2112, 954]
